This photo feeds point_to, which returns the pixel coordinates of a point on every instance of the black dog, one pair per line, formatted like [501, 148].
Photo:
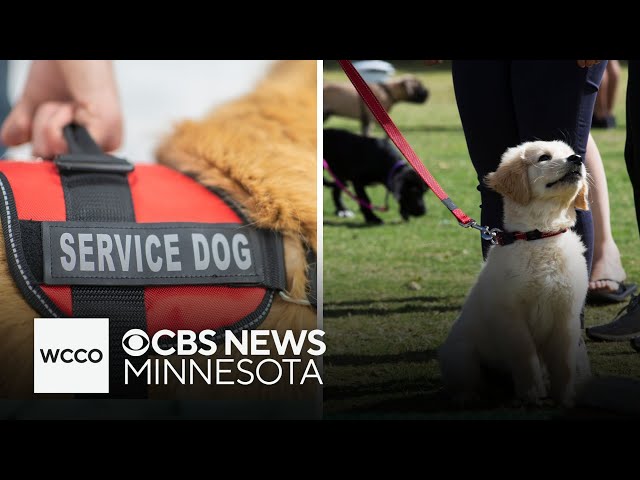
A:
[365, 161]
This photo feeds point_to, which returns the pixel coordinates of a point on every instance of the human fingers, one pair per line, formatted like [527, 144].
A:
[48, 122]
[104, 124]
[16, 129]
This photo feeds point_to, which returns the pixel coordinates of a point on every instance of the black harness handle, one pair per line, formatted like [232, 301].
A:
[86, 156]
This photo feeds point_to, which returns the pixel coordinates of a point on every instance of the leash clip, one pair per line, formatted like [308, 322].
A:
[488, 234]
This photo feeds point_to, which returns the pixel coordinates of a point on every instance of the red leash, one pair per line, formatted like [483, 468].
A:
[394, 134]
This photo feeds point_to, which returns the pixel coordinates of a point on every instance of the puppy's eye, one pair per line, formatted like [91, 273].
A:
[544, 158]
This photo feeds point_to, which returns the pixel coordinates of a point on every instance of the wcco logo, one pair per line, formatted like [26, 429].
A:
[67, 355]
[71, 355]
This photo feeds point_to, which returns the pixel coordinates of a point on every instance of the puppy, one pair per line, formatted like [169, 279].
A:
[522, 317]
[365, 161]
[343, 100]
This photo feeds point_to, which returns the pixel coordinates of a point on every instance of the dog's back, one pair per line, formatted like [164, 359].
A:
[354, 157]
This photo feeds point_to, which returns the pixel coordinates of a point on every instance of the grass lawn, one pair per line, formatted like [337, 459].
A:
[391, 292]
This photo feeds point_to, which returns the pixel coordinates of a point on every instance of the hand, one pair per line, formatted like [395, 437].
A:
[58, 92]
[429, 63]
[587, 63]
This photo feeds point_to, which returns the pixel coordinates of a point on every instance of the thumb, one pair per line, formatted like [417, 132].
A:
[104, 124]
[16, 128]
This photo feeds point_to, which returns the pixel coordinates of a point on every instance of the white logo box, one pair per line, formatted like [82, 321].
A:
[81, 350]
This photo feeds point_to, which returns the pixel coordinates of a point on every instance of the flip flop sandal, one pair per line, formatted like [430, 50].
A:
[603, 296]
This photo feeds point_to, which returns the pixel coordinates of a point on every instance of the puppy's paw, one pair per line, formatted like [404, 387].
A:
[345, 214]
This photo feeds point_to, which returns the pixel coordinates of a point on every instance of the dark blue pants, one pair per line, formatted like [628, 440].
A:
[632, 146]
[504, 103]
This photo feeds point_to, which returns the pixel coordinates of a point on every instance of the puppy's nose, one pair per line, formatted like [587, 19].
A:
[577, 159]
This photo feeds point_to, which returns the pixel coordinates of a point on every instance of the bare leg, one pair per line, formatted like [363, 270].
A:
[601, 107]
[613, 76]
[606, 256]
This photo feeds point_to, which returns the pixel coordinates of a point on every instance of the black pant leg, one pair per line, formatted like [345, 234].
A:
[554, 100]
[632, 145]
[483, 95]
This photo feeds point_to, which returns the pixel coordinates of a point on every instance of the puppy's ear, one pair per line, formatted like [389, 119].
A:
[511, 179]
[582, 201]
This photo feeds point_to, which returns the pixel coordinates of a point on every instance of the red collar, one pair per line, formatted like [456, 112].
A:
[507, 238]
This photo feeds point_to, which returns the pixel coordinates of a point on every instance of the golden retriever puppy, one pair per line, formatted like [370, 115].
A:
[522, 317]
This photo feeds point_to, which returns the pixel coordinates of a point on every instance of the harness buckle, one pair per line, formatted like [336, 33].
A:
[488, 234]
[82, 162]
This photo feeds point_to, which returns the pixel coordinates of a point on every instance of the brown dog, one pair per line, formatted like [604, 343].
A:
[342, 99]
[260, 149]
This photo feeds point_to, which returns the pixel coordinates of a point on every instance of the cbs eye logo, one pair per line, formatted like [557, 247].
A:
[135, 342]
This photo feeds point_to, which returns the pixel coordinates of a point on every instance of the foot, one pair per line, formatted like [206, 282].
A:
[625, 326]
[607, 264]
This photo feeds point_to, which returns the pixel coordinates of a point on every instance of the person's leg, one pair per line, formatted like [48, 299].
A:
[606, 256]
[632, 144]
[626, 325]
[483, 95]
[601, 107]
[554, 101]
[613, 75]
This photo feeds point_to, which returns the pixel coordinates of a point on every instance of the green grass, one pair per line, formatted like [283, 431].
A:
[392, 292]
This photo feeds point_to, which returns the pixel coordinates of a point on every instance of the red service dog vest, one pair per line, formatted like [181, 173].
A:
[89, 235]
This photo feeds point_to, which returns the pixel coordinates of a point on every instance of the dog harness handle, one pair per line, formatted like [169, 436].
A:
[398, 139]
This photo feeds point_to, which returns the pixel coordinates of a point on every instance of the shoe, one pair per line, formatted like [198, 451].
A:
[624, 290]
[635, 344]
[625, 325]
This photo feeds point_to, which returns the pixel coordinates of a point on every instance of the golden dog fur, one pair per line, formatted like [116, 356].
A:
[261, 149]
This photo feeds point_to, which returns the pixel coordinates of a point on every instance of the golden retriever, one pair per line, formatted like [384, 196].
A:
[260, 149]
[522, 317]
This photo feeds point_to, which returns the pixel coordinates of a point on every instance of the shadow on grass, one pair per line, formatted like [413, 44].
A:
[335, 223]
[431, 401]
[343, 312]
[350, 391]
[356, 360]
[613, 354]
[387, 300]
[430, 128]
[419, 396]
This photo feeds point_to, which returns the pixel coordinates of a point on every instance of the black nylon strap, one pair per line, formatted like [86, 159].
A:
[449, 204]
[105, 197]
